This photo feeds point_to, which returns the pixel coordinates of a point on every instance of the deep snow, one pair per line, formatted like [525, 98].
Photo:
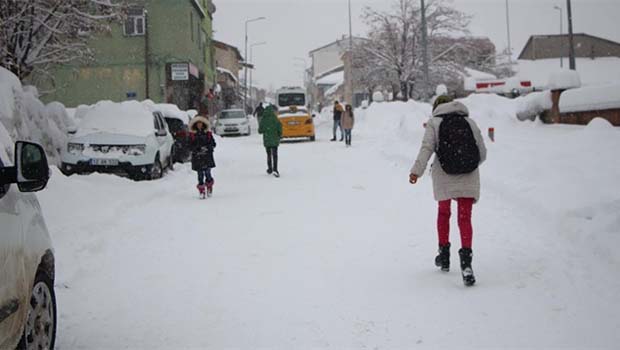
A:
[338, 253]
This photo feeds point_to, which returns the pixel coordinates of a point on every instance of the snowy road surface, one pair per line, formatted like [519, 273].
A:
[338, 253]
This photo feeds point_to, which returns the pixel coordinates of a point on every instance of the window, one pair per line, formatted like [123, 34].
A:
[135, 23]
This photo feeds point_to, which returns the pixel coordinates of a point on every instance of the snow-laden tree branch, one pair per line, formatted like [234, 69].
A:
[395, 48]
[35, 34]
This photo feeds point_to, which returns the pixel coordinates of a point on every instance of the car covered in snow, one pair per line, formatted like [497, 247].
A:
[177, 121]
[125, 138]
[232, 122]
[27, 299]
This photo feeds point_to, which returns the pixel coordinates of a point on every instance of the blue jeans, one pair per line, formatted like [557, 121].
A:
[347, 136]
[337, 125]
[204, 174]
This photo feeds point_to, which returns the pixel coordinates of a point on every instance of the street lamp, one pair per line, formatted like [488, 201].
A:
[245, 72]
[252, 62]
[561, 33]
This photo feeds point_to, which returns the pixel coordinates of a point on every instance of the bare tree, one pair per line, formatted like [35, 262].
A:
[35, 34]
[396, 46]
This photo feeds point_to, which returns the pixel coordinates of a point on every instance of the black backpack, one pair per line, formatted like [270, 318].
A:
[457, 150]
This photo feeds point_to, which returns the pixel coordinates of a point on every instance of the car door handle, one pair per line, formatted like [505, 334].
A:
[8, 309]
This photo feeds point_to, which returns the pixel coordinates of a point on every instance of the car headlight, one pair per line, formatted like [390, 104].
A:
[136, 150]
[244, 123]
[75, 148]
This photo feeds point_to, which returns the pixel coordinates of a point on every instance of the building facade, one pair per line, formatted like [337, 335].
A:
[228, 63]
[163, 52]
[540, 47]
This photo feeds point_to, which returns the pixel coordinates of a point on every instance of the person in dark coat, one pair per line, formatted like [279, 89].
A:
[202, 145]
[271, 128]
[258, 112]
[338, 109]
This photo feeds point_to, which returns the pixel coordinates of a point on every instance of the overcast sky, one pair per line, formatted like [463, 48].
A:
[295, 27]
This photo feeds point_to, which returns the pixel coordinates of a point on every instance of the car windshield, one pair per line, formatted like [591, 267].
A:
[292, 99]
[232, 114]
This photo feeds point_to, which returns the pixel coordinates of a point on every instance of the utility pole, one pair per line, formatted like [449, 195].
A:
[561, 35]
[508, 33]
[425, 53]
[571, 42]
[147, 92]
[349, 64]
[245, 71]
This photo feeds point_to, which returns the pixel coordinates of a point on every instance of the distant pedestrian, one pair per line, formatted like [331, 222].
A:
[202, 145]
[459, 147]
[271, 129]
[337, 119]
[347, 122]
[258, 111]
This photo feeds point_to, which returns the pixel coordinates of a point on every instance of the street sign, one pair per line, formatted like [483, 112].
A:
[179, 71]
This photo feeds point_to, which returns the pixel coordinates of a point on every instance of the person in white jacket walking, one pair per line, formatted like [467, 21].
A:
[463, 186]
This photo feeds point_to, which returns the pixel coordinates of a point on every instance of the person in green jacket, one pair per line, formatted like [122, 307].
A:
[271, 128]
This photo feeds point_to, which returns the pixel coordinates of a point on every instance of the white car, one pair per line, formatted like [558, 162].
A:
[232, 122]
[27, 299]
[122, 138]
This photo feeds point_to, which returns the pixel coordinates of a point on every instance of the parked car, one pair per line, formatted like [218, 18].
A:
[122, 138]
[177, 121]
[27, 298]
[232, 122]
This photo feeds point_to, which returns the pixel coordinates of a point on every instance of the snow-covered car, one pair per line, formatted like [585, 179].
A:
[27, 299]
[121, 138]
[177, 121]
[232, 122]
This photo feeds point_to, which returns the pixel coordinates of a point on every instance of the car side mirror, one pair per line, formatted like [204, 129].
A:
[71, 130]
[31, 171]
[161, 133]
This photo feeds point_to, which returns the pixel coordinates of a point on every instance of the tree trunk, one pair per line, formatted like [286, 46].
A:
[404, 90]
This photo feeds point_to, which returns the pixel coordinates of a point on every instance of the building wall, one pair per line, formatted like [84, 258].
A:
[583, 118]
[119, 68]
[556, 46]
[326, 59]
[227, 58]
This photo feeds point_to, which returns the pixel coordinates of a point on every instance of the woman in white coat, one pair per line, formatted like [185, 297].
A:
[464, 188]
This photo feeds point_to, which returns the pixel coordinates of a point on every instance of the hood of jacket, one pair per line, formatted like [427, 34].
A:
[454, 107]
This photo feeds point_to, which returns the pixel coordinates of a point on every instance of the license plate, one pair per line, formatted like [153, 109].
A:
[231, 130]
[293, 123]
[104, 162]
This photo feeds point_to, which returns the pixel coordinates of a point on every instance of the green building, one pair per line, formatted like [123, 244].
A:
[163, 52]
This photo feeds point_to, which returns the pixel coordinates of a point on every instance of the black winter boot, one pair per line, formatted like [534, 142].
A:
[443, 259]
[468, 274]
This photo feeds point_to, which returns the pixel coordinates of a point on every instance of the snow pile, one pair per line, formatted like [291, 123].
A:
[564, 79]
[126, 118]
[25, 117]
[590, 98]
[532, 105]
[168, 110]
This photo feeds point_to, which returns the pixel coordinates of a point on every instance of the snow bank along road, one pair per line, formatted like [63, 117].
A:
[338, 253]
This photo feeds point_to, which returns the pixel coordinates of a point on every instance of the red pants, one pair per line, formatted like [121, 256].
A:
[464, 220]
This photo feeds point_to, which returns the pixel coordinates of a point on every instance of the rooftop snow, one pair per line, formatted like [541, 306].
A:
[590, 98]
[126, 118]
[331, 79]
[592, 71]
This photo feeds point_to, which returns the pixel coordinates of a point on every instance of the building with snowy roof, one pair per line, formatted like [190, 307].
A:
[540, 47]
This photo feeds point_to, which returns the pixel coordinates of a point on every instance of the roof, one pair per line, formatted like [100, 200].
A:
[558, 36]
[337, 42]
[223, 45]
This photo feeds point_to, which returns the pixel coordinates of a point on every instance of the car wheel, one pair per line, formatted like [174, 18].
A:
[312, 138]
[40, 328]
[156, 169]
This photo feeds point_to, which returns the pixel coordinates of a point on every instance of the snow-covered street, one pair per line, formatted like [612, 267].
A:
[339, 252]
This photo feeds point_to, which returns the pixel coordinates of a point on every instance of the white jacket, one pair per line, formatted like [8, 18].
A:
[446, 186]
